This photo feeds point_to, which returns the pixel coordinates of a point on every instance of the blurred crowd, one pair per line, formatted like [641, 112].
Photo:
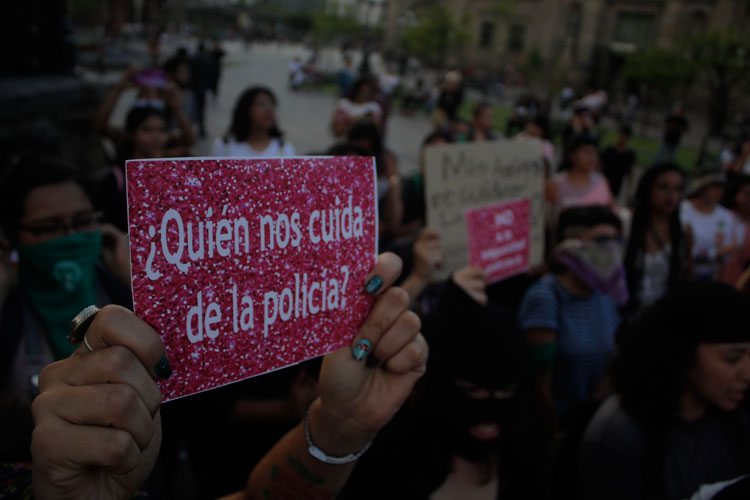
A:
[619, 369]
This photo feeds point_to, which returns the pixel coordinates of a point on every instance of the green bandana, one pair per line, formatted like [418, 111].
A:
[59, 277]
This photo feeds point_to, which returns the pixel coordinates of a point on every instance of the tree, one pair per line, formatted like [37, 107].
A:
[658, 71]
[724, 59]
[435, 35]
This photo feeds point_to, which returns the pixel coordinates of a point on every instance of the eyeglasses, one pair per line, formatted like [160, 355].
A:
[55, 228]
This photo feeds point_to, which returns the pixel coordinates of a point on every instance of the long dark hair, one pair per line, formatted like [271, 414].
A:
[640, 225]
[240, 127]
[656, 351]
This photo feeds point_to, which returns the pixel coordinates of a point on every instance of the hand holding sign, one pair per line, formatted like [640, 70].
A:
[247, 265]
[98, 427]
[97, 422]
[362, 397]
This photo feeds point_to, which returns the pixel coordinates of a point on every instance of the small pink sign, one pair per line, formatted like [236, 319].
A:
[245, 266]
[499, 238]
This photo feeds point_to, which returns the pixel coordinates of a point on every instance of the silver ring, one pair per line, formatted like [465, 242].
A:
[80, 324]
[86, 343]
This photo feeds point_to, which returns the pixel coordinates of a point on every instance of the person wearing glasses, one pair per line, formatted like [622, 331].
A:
[66, 261]
[569, 317]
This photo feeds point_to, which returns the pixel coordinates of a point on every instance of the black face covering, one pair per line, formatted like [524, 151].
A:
[462, 412]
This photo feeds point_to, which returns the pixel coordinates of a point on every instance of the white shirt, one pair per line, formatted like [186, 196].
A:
[357, 111]
[710, 232]
[229, 147]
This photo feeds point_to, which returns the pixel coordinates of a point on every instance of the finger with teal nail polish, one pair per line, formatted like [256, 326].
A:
[362, 349]
[373, 285]
[163, 369]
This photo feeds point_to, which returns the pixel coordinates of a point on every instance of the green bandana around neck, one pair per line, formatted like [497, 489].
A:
[59, 278]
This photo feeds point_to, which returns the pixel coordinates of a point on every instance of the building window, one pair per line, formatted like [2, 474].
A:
[486, 34]
[635, 28]
[515, 37]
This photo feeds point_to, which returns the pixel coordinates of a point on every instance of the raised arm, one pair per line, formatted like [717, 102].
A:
[358, 396]
[101, 117]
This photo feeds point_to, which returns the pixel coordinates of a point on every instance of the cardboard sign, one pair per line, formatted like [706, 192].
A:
[466, 176]
[245, 266]
[499, 238]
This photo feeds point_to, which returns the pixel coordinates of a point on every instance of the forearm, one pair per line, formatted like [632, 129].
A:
[186, 128]
[290, 472]
[101, 117]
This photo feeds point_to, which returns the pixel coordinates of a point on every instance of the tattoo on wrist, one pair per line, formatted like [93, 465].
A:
[293, 480]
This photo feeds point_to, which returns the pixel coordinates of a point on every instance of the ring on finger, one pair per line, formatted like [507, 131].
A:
[80, 324]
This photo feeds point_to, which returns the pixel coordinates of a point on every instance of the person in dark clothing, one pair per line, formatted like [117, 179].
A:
[201, 65]
[679, 422]
[217, 54]
[618, 160]
[472, 429]
[67, 261]
[451, 97]
[675, 125]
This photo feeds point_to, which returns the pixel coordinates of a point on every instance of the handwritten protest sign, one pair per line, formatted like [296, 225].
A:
[467, 176]
[499, 238]
[248, 265]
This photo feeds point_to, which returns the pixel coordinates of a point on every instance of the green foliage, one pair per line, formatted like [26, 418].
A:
[436, 34]
[724, 56]
[660, 69]
[328, 27]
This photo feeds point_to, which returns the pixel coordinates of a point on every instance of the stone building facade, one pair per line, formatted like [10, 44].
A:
[588, 39]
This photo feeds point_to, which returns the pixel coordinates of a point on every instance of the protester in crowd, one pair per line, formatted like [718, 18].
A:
[482, 124]
[359, 104]
[537, 127]
[658, 253]
[450, 99]
[427, 256]
[253, 131]
[617, 162]
[76, 454]
[367, 135]
[708, 223]
[145, 134]
[579, 183]
[473, 428]
[737, 199]
[679, 421]
[415, 211]
[581, 123]
[66, 261]
[569, 317]
[737, 159]
[217, 53]
[675, 125]
[201, 80]
[177, 69]
[417, 97]
[345, 76]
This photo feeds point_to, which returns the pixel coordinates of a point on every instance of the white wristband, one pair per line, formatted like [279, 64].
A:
[321, 455]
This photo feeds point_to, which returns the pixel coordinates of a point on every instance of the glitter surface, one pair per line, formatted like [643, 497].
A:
[197, 251]
[499, 238]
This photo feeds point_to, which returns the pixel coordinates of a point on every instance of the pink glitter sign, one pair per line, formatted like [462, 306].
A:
[499, 238]
[245, 266]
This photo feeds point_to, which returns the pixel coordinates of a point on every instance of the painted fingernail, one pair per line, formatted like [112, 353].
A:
[163, 369]
[374, 285]
[362, 349]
